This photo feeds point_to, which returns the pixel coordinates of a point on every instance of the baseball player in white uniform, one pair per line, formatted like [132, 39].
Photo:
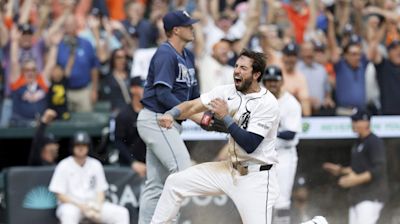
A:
[248, 177]
[289, 126]
[79, 183]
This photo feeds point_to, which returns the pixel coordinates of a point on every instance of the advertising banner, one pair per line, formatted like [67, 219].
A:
[313, 128]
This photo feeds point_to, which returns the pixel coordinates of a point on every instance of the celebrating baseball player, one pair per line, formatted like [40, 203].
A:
[248, 177]
[170, 81]
[289, 126]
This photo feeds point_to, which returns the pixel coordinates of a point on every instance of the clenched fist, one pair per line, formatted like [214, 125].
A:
[166, 121]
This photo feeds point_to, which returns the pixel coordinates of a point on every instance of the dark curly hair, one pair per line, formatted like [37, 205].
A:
[259, 61]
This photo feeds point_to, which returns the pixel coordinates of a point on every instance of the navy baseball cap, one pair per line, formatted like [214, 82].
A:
[355, 39]
[291, 49]
[319, 46]
[177, 18]
[49, 139]
[136, 81]
[272, 73]
[26, 28]
[393, 44]
[360, 115]
[81, 137]
[348, 29]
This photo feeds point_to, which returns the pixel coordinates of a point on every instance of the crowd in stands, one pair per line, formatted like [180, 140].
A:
[67, 54]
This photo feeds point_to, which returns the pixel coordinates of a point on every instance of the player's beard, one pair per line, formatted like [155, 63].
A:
[244, 85]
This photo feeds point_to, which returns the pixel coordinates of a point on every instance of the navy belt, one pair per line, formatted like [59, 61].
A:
[244, 170]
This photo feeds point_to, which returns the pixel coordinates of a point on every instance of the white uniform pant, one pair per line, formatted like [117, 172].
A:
[253, 194]
[286, 171]
[365, 212]
[110, 214]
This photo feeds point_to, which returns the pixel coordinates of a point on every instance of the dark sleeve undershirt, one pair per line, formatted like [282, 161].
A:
[37, 144]
[247, 140]
[286, 135]
[165, 97]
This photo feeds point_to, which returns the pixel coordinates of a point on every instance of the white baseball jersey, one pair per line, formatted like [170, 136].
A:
[257, 113]
[290, 119]
[81, 183]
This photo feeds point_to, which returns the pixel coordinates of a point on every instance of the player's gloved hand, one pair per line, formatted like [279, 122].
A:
[166, 121]
[215, 125]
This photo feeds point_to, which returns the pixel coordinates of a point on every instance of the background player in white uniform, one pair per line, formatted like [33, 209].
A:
[80, 184]
[248, 177]
[289, 126]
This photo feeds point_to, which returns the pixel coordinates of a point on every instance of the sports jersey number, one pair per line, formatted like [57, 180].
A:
[58, 97]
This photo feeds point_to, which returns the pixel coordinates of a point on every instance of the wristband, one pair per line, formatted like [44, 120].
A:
[228, 121]
[174, 112]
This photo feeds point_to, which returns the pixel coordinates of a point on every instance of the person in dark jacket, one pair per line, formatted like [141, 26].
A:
[44, 149]
[132, 149]
[366, 176]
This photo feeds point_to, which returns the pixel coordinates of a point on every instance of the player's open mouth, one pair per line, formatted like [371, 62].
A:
[237, 80]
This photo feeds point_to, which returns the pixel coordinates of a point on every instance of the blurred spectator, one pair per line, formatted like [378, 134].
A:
[271, 44]
[57, 95]
[79, 183]
[29, 48]
[44, 149]
[129, 40]
[136, 23]
[31, 22]
[83, 80]
[216, 25]
[387, 71]
[350, 68]
[28, 86]
[209, 33]
[350, 78]
[295, 82]
[317, 78]
[214, 68]
[132, 149]
[100, 34]
[322, 56]
[116, 84]
[116, 9]
[366, 177]
[299, 14]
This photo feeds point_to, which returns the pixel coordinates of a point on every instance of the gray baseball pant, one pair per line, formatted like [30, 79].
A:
[166, 154]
